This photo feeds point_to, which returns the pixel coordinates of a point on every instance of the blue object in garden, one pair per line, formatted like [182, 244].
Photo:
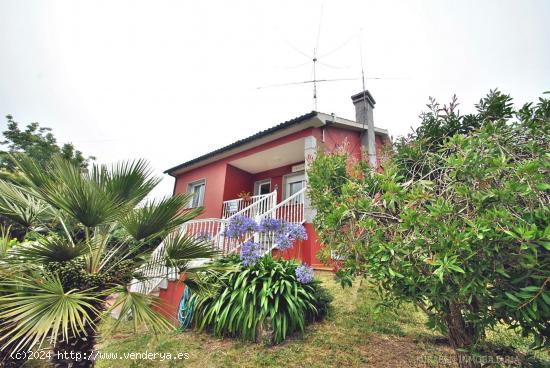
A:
[185, 312]
[250, 253]
[240, 226]
[304, 274]
[271, 224]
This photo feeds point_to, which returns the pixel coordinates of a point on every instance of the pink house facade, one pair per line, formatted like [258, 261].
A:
[272, 166]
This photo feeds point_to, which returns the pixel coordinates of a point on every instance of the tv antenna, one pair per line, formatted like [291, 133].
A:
[315, 60]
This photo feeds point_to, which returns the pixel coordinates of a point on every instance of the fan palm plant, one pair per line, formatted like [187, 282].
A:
[88, 235]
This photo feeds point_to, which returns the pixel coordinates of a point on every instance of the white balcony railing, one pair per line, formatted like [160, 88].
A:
[291, 210]
[250, 208]
[212, 229]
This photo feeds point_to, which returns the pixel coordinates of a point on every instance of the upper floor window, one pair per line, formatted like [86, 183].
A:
[197, 188]
[262, 187]
[293, 183]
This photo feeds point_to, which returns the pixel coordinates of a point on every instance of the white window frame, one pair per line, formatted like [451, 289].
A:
[190, 189]
[292, 178]
[259, 183]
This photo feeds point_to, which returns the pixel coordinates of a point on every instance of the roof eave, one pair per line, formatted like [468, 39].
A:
[278, 131]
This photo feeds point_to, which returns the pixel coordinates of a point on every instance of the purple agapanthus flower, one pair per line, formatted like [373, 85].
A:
[250, 253]
[296, 232]
[239, 226]
[288, 233]
[283, 241]
[304, 274]
[271, 225]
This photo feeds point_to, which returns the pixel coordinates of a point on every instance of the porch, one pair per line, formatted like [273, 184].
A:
[276, 180]
[279, 169]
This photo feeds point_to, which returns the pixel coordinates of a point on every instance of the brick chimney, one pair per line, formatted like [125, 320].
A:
[363, 115]
[364, 104]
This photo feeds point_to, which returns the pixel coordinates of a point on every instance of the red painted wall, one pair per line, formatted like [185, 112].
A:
[170, 300]
[304, 250]
[276, 176]
[335, 137]
[225, 182]
[236, 181]
[216, 174]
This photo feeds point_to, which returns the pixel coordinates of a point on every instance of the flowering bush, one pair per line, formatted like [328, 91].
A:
[239, 226]
[265, 301]
[288, 233]
[270, 224]
[250, 253]
[296, 232]
[285, 233]
[304, 274]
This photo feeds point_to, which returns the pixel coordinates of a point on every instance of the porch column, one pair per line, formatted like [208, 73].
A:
[310, 151]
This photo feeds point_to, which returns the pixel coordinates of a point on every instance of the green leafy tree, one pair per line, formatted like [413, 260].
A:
[40, 144]
[54, 285]
[37, 142]
[457, 222]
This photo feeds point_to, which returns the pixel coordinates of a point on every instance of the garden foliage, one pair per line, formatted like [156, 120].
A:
[87, 236]
[265, 299]
[457, 220]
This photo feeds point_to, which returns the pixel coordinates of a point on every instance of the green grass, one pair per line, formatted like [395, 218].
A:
[354, 335]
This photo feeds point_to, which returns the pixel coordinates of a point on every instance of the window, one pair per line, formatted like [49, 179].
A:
[293, 184]
[197, 190]
[262, 187]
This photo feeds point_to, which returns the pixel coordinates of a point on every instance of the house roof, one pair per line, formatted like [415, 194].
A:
[323, 119]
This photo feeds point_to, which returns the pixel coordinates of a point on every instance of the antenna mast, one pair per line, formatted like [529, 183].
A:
[315, 59]
[371, 145]
[315, 79]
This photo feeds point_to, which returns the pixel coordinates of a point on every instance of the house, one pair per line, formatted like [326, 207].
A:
[272, 166]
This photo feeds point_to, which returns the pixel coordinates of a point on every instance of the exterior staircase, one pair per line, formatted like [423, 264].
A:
[264, 206]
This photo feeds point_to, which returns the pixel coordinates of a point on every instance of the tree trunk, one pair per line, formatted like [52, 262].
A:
[461, 337]
[75, 352]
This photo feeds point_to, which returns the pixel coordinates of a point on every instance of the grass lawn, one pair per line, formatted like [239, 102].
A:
[354, 335]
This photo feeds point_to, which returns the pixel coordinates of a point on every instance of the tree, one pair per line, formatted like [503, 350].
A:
[457, 222]
[54, 285]
[38, 143]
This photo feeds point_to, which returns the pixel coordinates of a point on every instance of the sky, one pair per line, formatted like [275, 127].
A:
[171, 80]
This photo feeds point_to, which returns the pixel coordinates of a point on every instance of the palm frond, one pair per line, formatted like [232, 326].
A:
[181, 248]
[143, 309]
[51, 248]
[6, 242]
[20, 206]
[39, 309]
[66, 188]
[130, 181]
[34, 174]
[157, 218]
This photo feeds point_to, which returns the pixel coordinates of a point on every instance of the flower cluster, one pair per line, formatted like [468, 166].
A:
[288, 233]
[304, 274]
[271, 224]
[284, 233]
[239, 226]
[250, 253]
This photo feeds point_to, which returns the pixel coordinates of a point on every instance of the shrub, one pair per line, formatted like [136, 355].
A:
[263, 299]
[457, 222]
[323, 299]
